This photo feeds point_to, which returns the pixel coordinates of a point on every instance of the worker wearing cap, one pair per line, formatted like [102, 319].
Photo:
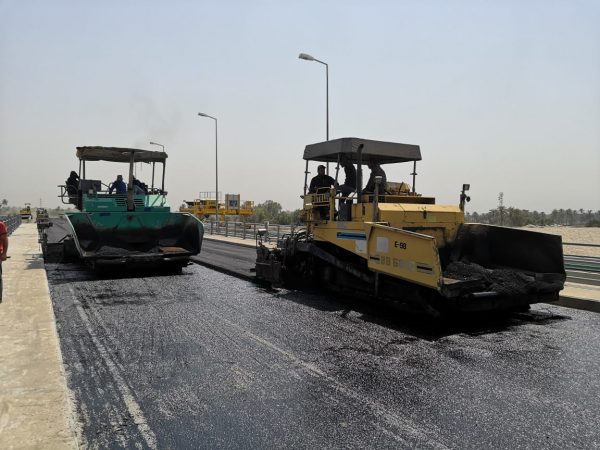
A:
[3, 251]
[320, 180]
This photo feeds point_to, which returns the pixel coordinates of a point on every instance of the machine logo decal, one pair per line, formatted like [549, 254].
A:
[361, 246]
[353, 236]
[382, 244]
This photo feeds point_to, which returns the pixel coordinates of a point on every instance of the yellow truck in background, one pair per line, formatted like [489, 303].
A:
[206, 206]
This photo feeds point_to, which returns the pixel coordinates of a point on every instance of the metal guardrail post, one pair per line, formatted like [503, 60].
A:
[243, 230]
[278, 232]
[226, 228]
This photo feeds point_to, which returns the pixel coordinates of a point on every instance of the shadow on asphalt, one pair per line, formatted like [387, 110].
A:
[388, 315]
[382, 313]
[34, 262]
[76, 272]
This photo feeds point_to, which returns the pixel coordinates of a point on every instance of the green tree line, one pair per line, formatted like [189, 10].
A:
[515, 217]
[271, 211]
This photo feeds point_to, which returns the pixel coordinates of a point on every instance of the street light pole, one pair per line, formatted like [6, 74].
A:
[216, 166]
[156, 143]
[308, 57]
[327, 97]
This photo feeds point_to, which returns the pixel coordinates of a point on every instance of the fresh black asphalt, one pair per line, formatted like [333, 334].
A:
[207, 360]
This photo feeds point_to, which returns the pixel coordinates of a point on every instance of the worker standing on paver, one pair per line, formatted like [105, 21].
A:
[119, 185]
[3, 251]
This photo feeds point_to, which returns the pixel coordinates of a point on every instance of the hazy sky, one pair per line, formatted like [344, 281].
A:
[503, 95]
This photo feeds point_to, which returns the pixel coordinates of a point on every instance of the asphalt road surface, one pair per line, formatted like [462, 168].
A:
[207, 360]
[227, 257]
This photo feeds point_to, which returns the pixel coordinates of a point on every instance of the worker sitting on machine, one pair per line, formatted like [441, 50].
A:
[320, 180]
[319, 184]
[118, 185]
[72, 184]
[139, 187]
[349, 185]
[376, 171]
[347, 188]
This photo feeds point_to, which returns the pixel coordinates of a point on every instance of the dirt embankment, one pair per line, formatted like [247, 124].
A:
[587, 235]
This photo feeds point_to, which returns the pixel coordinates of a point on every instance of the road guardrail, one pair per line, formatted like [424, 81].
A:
[11, 222]
[247, 230]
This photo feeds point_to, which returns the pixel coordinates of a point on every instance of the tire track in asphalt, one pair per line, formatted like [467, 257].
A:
[405, 426]
[127, 395]
[401, 429]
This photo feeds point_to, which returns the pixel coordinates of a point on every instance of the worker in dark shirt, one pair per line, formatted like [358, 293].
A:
[118, 185]
[320, 180]
[72, 186]
[349, 185]
[347, 188]
[376, 171]
[139, 187]
[72, 183]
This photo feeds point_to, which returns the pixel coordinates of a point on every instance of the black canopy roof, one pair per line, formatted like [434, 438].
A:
[117, 154]
[382, 152]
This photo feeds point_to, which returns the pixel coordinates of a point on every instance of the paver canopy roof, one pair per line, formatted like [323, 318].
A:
[382, 152]
[117, 154]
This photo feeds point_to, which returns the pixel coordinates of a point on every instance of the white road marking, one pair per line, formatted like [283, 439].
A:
[132, 405]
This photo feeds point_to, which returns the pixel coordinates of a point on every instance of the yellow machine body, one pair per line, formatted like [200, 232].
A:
[404, 241]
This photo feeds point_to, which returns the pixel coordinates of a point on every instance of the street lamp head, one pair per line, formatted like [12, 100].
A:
[306, 57]
[206, 115]
[156, 143]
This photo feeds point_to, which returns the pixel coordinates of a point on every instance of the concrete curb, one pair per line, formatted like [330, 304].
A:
[236, 241]
[229, 241]
[578, 303]
[36, 409]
